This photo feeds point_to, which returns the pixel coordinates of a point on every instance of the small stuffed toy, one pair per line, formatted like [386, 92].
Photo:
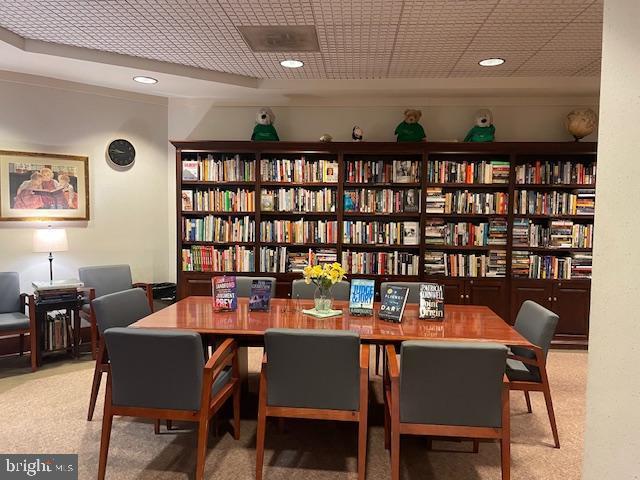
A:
[357, 134]
[326, 138]
[581, 122]
[264, 131]
[483, 130]
[410, 130]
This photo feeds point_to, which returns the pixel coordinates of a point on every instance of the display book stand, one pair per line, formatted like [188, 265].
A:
[503, 293]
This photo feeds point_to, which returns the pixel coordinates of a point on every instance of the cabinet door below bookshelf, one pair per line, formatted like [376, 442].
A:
[196, 285]
[540, 291]
[454, 289]
[490, 292]
[571, 302]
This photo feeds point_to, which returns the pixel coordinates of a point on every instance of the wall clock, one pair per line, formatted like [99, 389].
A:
[121, 154]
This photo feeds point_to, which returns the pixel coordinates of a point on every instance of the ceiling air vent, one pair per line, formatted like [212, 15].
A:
[281, 38]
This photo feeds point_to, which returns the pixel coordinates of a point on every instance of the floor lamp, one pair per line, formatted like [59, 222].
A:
[50, 240]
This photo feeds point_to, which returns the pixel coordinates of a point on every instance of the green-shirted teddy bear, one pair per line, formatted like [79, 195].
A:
[483, 130]
[264, 131]
[410, 130]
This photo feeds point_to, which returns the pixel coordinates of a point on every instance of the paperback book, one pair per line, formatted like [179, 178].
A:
[411, 200]
[431, 301]
[394, 299]
[361, 297]
[260, 296]
[190, 170]
[225, 296]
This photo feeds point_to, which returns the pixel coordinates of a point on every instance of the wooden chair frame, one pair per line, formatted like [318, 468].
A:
[27, 301]
[393, 427]
[359, 416]
[542, 386]
[89, 294]
[226, 354]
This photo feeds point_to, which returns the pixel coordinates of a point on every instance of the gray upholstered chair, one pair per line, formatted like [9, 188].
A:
[414, 290]
[13, 320]
[299, 289]
[526, 368]
[319, 374]
[119, 309]
[429, 394]
[243, 285]
[103, 280]
[161, 374]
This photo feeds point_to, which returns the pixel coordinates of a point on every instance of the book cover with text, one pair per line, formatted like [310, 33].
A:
[260, 295]
[431, 301]
[225, 296]
[361, 296]
[394, 299]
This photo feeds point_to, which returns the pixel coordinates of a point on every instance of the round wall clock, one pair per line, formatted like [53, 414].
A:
[121, 154]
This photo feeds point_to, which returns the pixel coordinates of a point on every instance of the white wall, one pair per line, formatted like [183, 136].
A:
[129, 210]
[612, 438]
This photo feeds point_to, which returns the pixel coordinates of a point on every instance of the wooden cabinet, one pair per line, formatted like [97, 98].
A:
[540, 291]
[490, 292]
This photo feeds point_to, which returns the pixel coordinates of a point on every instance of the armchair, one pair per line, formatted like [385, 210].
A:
[13, 320]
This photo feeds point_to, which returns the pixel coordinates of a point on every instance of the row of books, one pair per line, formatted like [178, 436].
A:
[493, 264]
[298, 200]
[381, 233]
[580, 202]
[485, 171]
[380, 263]
[222, 169]
[463, 201]
[559, 234]
[382, 201]
[240, 200]
[218, 229]
[299, 231]
[577, 265]
[56, 333]
[206, 258]
[298, 170]
[381, 171]
[439, 232]
[283, 259]
[556, 173]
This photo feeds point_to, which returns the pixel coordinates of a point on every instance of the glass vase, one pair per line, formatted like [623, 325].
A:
[323, 299]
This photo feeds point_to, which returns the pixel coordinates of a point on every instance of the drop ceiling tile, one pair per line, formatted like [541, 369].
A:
[356, 12]
[467, 64]
[436, 37]
[557, 63]
[537, 12]
[268, 12]
[593, 13]
[516, 36]
[577, 36]
[419, 12]
[356, 38]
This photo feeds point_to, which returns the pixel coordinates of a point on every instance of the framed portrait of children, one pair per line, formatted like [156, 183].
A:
[43, 186]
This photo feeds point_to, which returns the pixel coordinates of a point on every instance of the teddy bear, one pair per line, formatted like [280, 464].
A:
[410, 130]
[264, 131]
[581, 122]
[484, 130]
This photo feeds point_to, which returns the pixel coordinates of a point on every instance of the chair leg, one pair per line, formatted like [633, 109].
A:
[387, 426]
[169, 424]
[395, 453]
[94, 337]
[528, 400]
[156, 426]
[260, 434]
[95, 388]
[476, 446]
[552, 416]
[505, 439]
[236, 412]
[201, 456]
[107, 420]
[21, 344]
[378, 350]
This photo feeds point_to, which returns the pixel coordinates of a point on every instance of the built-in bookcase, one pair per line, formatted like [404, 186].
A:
[495, 223]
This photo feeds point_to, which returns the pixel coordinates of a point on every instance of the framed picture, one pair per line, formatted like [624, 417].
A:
[42, 186]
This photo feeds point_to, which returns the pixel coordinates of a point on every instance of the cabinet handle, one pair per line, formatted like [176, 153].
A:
[555, 299]
[550, 299]
[467, 296]
[462, 295]
[471, 282]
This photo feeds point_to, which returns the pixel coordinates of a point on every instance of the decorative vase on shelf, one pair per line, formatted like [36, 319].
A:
[323, 299]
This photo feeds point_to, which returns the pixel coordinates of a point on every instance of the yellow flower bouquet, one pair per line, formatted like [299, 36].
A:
[323, 277]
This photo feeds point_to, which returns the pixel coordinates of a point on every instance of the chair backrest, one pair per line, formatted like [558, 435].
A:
[106, 279]
[120, 309]
[438, 379]
[243, 285]
[538, 325]
[414, 290]
[155, 368]
[313, 368]
[299, 289]
[9, 292]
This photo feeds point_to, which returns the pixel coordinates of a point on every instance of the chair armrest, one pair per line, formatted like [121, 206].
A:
[526, 361]
[142, 285]
[23, 301]
[392, 362]
[224, 354]
[148, 288]
[364, 357]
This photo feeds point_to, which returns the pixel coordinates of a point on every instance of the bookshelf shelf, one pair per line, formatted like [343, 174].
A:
[383, 185]
[205, 213]
[219, 244]
[464, 247]
[555, 186]
[298, 245]
[297, 214]
[207, 183]
[469, 186]
[385, 215]
[553, 249]
[300, 184]
[466, 215]
[376, 246]
[556, 217]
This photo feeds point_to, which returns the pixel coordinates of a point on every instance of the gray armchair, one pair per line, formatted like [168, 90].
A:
[328, 381]
[526, 368]
[299, 289]
[243, 285]
[13, 320]
[161, 374]
[449, 389]
[119, 309]
[103, 280]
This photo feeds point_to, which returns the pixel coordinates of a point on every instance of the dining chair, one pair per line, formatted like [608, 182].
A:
[300, 290]
[161, 374]
[430, 392]
[13, 320]
[526, 367]
[119, 309]
[243, 285]
[328, 380]
[103, 280]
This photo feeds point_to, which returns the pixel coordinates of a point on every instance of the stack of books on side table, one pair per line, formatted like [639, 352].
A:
[56, 291]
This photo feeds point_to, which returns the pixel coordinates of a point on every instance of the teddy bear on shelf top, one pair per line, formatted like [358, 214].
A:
[410, 130]
[484, 130]
[264, 131]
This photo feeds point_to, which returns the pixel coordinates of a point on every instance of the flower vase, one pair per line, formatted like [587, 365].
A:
[322, 299]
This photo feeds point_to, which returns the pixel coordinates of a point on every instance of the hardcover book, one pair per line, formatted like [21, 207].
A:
[394, 299]
[402, 172]
[411, 201]
[260, 296]
[330, 174]
[431, 301]
[225, 296]
[190, 170]
[187, 200]
[361, 297]
[267, 202]
[410, 233]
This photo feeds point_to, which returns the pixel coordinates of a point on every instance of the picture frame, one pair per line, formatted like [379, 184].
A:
[43, 187]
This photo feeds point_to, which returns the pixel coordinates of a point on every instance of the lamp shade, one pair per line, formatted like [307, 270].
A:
[50, 240]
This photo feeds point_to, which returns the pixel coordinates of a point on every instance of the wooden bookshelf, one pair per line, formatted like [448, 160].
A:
[568, 297]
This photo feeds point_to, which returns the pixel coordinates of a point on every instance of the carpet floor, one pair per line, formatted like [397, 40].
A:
[45, 412]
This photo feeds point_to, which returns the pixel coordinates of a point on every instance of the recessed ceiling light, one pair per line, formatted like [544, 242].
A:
[143, 79]
[491, 62]
[291, 63]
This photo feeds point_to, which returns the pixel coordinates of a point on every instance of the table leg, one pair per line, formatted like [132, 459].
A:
[40, 319]
[76, 332]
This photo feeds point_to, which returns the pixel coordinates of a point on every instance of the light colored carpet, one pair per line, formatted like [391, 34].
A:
[46, 413]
